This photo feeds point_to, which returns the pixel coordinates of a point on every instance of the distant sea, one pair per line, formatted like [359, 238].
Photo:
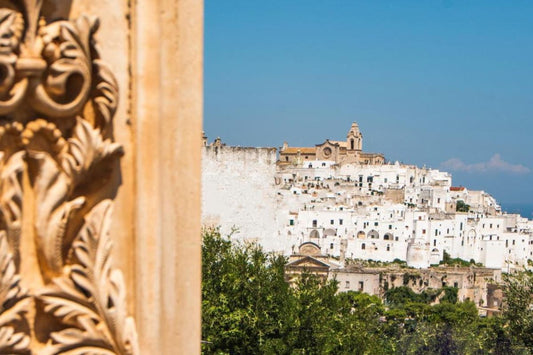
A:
[524, 209]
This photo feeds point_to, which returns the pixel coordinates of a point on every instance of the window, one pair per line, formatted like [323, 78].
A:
[331, 245]
[376, 224]
[363, 246]
[347, 285]
[291, 222]
[314, 223]
[351, 144]
[388, 247]
[507, 243]
[331, 222]
[361, 285]
[423, 231]
[340, 220]
[434, 242]
[436, 232]
[390, 226]
[396, 238]
[438, 200]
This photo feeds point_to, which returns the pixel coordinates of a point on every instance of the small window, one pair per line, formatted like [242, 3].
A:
[340, 220]
[376, 224]
[314, 223]
[363, 246]
[361, 285]
[331, 246]
[423, 231]
[291, 222]
[331, 222]
[347, 285]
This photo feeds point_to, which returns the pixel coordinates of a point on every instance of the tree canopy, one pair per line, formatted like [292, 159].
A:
[249, 308]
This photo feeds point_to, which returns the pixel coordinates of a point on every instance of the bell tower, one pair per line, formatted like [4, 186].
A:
[354, 139]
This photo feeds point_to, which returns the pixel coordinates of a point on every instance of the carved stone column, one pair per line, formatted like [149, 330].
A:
[79, 137]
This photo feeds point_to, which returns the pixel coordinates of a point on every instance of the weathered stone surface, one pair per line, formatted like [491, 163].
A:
[96, 113]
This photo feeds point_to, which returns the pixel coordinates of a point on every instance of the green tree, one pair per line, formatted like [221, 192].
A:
[518, 309]
[461, 206]
[246, 306]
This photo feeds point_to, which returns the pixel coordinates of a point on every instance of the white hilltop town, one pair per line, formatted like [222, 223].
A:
[353, 205]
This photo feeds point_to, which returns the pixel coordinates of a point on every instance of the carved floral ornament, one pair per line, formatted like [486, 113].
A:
[58, 291]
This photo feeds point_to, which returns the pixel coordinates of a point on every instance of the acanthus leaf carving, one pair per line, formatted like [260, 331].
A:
[106, 93]
[92, 298]
[72, 163]
[57, 103]
[86, 149]
[14, 305]
[12, 89]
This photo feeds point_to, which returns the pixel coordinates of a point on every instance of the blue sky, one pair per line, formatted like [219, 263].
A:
[446, 84]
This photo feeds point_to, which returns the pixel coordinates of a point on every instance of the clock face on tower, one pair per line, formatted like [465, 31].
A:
[327, 151]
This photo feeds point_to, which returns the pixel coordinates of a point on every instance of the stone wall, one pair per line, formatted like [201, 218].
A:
[238, 190]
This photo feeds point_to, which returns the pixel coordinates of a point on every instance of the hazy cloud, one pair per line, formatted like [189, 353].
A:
[496, 163]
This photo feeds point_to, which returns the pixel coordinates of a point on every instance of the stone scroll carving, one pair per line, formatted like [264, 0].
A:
[59, 293]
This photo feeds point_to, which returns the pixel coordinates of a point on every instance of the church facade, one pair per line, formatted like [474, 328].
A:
[349, 151]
